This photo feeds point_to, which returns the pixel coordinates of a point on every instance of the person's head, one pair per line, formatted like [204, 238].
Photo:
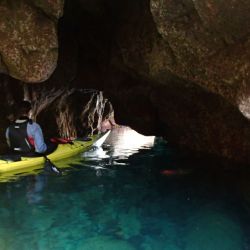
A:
[23, 108]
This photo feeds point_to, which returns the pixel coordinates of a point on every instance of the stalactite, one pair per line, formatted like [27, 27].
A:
[94, 108]
[87, 112]
[41, 98]
[100, 105]
[90, 117]
[65, 117]
[26, 92]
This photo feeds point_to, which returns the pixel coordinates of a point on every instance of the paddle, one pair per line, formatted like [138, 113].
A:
[102, 139]
[51, 167]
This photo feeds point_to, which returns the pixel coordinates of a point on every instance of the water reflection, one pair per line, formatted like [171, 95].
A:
[132, 207]
[121, 143]
[127, 141]
[36, 184]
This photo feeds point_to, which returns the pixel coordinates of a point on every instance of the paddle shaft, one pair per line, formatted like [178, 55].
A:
[50, 166]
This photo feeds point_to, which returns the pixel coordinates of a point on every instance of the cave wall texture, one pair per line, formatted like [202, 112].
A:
[175, 68]
[28, 33]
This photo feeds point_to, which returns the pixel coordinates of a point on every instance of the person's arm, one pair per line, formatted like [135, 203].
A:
[35, 131]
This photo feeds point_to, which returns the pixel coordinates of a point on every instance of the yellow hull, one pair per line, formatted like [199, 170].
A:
[63, 151]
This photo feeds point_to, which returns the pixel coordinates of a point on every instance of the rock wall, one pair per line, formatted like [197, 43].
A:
[209, 41]
[195, 58]
[28, 33]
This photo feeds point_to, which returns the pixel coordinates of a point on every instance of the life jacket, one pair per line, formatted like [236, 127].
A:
[18, 137]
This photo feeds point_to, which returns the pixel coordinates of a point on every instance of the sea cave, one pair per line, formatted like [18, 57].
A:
[175, 72]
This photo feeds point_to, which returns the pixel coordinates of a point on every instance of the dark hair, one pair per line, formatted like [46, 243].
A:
[23, 107]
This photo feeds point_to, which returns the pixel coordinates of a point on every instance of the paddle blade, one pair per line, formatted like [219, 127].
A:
[50, 167]
[101, 140]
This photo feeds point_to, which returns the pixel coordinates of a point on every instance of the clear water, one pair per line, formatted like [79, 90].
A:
[137, 194]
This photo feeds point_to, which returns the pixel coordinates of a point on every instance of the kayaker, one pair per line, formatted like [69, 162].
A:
[107, 124]
[24, 135]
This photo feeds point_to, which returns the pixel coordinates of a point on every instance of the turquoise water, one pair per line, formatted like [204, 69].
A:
[118, 199]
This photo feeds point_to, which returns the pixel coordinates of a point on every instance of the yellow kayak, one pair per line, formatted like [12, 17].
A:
[63, 151]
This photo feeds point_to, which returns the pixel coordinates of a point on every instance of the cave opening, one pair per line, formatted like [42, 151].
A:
[90, 57]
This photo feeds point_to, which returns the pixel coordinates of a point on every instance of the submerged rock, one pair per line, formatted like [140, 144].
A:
[213, 230]
[129, 224]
